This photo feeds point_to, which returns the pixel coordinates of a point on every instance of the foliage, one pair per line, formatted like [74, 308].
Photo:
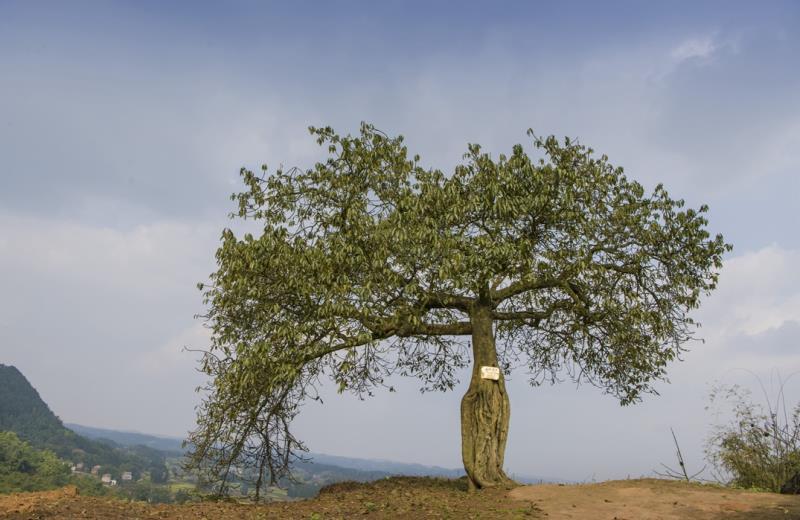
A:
[369, 265]
[23, 468]
[146, 491]
[89, 485]
[760, 447]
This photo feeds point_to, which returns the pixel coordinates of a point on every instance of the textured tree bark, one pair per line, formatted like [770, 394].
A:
[485, 411]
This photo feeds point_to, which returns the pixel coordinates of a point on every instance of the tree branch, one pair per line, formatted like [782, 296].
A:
[434, 300]
[524, 286]
[521, 315]
[531, 315]
[459, 328]
[379, 332]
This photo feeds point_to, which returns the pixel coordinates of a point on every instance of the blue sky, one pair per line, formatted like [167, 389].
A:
[123, 126]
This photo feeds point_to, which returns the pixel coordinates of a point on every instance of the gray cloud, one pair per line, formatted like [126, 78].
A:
[87, 126]
[782, 341]
[119, 151]
[96, 318]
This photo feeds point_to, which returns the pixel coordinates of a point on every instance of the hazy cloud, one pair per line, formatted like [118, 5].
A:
[702, 47]
[780, 341]
[98, 315]
[758, 291]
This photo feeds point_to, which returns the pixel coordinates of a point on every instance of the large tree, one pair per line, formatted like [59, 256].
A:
[368, 264]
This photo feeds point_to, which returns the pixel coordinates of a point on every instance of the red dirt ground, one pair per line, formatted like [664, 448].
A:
[413, 498]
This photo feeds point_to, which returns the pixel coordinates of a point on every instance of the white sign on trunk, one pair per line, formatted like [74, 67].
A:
[492, 373]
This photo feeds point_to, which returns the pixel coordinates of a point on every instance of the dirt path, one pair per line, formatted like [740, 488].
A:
[651, 499]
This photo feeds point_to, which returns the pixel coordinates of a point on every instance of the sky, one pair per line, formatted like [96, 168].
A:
[123, 126]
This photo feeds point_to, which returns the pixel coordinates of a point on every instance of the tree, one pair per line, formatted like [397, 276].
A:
[368, 265]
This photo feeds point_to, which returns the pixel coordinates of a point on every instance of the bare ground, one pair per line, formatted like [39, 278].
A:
[653, 499]
[412, 498]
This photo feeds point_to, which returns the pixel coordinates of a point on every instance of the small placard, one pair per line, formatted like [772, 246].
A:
[492, 373]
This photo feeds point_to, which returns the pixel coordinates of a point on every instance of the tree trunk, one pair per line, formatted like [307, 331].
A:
[485, 411]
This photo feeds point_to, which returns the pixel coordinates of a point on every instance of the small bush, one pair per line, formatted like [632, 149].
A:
[760, 447]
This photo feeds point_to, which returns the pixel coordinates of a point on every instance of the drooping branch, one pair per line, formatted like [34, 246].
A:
[243, 434]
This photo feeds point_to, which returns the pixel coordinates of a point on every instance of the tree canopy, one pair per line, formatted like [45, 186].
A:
[368, 265]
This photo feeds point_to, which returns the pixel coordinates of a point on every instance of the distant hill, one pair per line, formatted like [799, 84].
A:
[333, 466]
[23, 412]
[172, 445]
[353, 468]
[311, 476]
[410, 469]
[365, 469]
[386, 466]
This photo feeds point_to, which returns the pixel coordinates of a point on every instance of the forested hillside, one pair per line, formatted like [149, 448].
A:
[23, 412]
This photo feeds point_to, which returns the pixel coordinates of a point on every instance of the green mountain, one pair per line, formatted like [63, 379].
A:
[23, 412]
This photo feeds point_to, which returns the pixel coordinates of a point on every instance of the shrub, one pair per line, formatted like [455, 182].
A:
[759, 448]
